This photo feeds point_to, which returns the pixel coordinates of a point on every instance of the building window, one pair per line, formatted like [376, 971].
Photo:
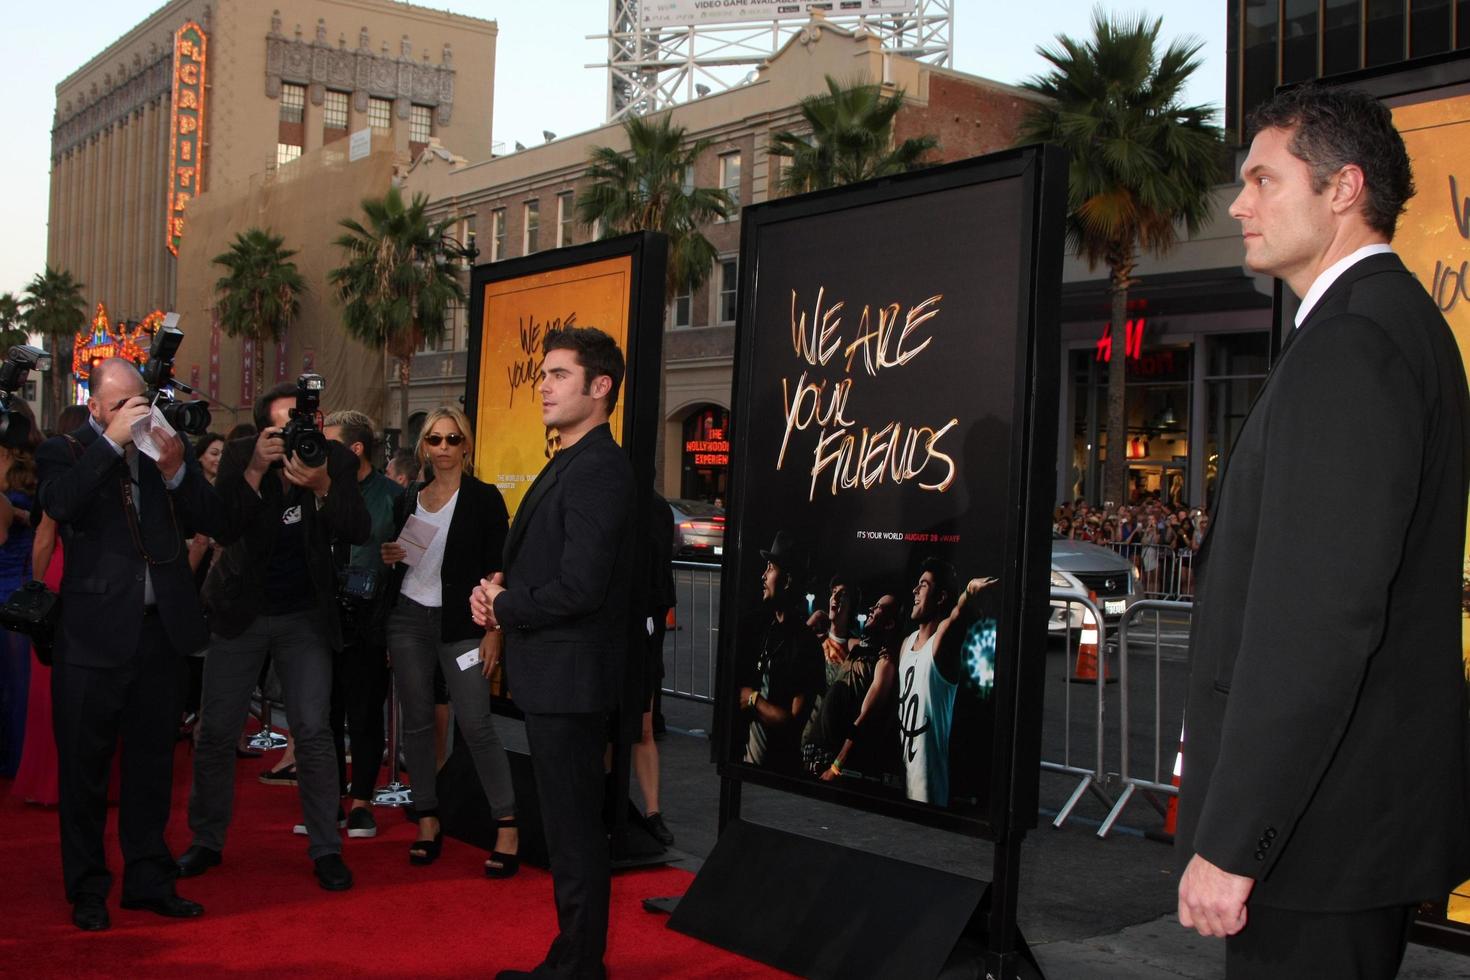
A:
[730, 179]
[286, 152]
[334, 111]
[293, 103]
[533, 227]
[686, 184]
[566, 213]
[497, 234]
[729, 284]
[420, 124]
[380, 113]
[682, 309]
[468, 237]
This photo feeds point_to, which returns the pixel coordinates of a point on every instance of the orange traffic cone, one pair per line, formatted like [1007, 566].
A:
[1087, 646]
[669, 621]
[1171, 812]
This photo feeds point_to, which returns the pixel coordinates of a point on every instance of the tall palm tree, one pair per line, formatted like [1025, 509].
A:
[650, 188]
[1142, 164]
[55, 308]
[260, 292]
[12, 322]
[398, 285]
[851, 139]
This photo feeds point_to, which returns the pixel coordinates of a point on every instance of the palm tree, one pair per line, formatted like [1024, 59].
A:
[650, 188]
[12, 322]
[1142, 164]
[398, 285]
[851, 139]
[260, 293]
[55, 309]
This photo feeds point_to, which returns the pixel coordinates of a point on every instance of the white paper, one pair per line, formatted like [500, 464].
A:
[468, 660]
[149, 433]
[415, 538]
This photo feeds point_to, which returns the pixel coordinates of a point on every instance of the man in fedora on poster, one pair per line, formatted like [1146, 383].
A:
[779, 682]
[1324, 778]
[563, 602]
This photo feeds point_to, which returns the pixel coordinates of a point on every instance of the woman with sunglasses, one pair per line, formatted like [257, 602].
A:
[431, 624]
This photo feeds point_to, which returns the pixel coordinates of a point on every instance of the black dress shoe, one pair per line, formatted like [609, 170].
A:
[197, 860]
[170, 905]
[333, 874]
[514, 975]
[90, 914]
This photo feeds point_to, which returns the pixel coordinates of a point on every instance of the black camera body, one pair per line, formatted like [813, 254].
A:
[20, 360]
[189, 417]
[303, 434]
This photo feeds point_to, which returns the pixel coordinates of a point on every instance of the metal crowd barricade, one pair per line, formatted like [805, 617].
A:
[1157, 785]
[1090, 779]
[691, 645]
[1166, 573]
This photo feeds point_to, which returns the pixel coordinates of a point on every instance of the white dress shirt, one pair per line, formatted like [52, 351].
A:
[1331, 274]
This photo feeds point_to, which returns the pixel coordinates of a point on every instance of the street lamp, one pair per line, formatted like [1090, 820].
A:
[450, 245]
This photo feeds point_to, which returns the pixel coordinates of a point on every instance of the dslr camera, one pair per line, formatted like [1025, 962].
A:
[189, 417]
[303, 434]
[15, 428]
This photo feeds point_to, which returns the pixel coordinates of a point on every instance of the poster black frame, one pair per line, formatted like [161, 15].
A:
[1015, 759]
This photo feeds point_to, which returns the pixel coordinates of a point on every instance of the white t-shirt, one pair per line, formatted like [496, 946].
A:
[422, 584]
[925, 716]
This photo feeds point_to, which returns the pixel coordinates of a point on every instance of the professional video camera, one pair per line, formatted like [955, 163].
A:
[15, 428]
[190, 417]
[303, 434]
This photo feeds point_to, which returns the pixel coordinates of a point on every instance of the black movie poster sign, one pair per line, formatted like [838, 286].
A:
[886, 539]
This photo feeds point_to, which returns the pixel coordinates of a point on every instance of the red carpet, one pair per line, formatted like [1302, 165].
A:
[265, 913]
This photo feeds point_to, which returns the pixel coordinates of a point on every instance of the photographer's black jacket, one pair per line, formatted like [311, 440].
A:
[234, 592]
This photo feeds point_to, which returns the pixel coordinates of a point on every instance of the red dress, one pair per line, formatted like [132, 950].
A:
[35, 780]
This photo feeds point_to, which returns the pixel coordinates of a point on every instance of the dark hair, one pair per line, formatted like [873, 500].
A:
[273, 394]
[244, 430]
[945, 579]
[404, 461]
[203, 443]
[1332, 128]
[854, 591]
[72, 417]
[356, 427]
[596, 352]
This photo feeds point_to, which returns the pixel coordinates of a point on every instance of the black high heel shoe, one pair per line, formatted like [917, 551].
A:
[430, 848]
[505, 865]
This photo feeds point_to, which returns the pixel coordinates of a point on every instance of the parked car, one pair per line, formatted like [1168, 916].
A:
[1090, 569]
[699, 530]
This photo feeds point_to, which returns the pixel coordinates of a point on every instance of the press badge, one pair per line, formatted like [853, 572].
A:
[468, 660]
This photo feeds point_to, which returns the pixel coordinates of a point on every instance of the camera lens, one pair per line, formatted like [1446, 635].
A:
[310, 448]
[190, 418]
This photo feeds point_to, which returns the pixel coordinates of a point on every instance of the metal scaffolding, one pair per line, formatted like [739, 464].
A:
[652, 66]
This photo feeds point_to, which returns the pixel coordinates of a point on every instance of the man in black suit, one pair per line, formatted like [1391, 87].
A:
[129, 615]
[1324, 779]
[563, 602]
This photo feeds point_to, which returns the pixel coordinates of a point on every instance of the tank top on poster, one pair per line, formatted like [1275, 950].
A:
[925, 716]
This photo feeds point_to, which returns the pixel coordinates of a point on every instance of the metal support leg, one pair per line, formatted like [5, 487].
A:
[395, 792]
[266, 739]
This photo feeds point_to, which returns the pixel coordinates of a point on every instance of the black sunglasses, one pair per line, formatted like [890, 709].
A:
[453, 438]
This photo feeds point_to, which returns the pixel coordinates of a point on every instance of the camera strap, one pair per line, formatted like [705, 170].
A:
[126, 482]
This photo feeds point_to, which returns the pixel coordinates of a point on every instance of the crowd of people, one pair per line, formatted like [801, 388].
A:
[1151, 522]
[196, 576]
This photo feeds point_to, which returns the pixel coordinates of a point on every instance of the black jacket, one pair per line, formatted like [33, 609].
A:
[472, 551]
[102, 583]
[1325, 731]
[569, 569]
[234, 591]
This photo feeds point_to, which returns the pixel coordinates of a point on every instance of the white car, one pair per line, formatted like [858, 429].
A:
[1090, 570]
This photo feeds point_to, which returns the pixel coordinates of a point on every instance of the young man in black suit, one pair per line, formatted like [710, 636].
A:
[1324, 778]
[129, 615]
[563, 602]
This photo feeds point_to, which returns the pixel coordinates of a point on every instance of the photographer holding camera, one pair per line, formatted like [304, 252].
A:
[288, 494]
[129, 613]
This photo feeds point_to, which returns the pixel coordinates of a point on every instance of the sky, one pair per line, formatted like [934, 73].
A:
[542, 82]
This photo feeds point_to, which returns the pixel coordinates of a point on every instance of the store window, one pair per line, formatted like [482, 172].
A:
[1235, 369]
[706, 456]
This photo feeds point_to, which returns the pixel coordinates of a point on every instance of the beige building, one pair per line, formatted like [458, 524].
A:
[524, 202]
[253, 126]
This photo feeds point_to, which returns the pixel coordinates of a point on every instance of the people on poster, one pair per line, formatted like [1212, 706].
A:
[853, 731]
[929, 675]
[784, 676]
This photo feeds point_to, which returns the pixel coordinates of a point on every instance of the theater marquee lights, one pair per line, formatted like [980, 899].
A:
[106, 338]
[186, 129]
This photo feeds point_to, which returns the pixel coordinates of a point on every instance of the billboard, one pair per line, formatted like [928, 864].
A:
[889, 492]
[692, 13]
[186, 128]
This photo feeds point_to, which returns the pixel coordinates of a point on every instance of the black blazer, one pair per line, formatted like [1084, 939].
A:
[472, 551]
[1325, 731]
[568, 571]
[235, 587]
[102, 583]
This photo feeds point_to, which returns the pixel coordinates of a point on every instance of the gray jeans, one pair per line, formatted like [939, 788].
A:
[303, 661]
[413, 648]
